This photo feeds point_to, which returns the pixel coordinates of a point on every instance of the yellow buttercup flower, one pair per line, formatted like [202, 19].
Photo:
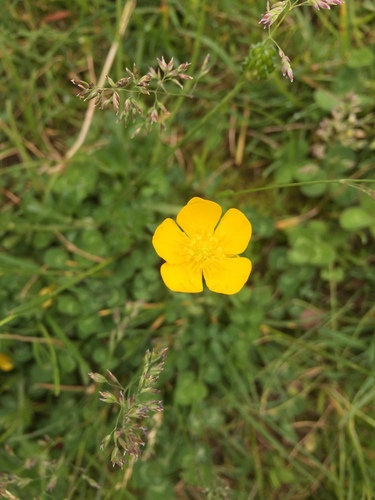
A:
[199, 245]
[6, 363]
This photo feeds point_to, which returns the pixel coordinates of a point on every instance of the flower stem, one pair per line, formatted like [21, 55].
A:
[348, 182]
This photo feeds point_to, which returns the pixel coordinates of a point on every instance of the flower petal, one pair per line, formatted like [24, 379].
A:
[227, 275]
[169, 242]
[233, 232]
[199, 216]
[182, 278]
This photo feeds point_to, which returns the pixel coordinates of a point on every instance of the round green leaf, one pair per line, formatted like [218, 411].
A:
[212, 373]
[337, 274]
[354, 218]
[302, 252]
[42, 240]
[89, 326]
[324, 254]
[100, 355]
[68, 304]
[326, 100]
[189, 390]
[76, 183]
[11, 241]
[93, 242]
[359, 58]
[311, 172]
[67, 362]
[56, 257]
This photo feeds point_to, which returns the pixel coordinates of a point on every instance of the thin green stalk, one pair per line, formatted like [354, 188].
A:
[13, 132]
[230, 192]
[361, 459]
[257, 462]
[333, 297]
[71, 346]
[56, 371]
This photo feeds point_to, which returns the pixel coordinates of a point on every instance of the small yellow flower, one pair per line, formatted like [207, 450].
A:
[6, 363]
[199, 246]
[44, 291]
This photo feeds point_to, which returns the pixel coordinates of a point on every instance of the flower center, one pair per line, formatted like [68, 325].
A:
[203, 246]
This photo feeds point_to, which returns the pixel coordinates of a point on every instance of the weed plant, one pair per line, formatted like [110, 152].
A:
[268, 393]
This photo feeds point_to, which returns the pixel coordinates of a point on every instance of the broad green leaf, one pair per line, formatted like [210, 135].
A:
[326, 100]
[359, 58]
[355, 218]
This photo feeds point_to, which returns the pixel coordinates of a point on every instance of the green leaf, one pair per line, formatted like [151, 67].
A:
[355, 218]
[93, 242]
[8, 261]
[89, 326]
[324, 254]
[337, 274]
[326, 100]
[311, 172]
[359, 58]
[68, 304]
[302, 252]
[189, 390]
[56, 257]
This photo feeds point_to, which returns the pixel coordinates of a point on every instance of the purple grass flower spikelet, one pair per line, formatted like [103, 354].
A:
[134, 86]
[270, 16]
[278, 12]
[133, 409]
[97, 377]
[325, 4]
[285, 65]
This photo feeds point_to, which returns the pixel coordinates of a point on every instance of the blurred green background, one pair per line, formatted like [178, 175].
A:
[267, 394]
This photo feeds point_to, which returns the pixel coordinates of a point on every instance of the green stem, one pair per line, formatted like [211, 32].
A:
[55, 365]
[230, 192]
[74, 351]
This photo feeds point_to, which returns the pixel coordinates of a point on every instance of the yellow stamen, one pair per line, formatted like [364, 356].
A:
[201, 247]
